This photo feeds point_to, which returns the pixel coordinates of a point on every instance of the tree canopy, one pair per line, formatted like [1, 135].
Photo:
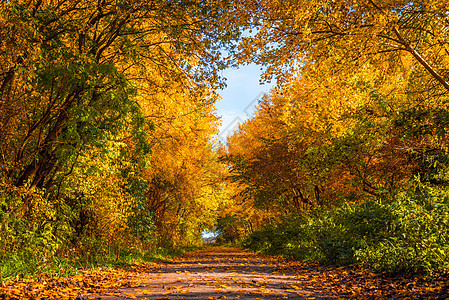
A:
[107, 124]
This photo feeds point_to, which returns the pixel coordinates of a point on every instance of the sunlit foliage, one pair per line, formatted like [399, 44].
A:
[106, 110]
[359, 116]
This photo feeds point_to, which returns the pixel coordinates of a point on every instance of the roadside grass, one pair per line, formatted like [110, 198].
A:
[23, 265]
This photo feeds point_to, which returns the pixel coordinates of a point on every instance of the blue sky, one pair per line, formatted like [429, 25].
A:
[239, 97]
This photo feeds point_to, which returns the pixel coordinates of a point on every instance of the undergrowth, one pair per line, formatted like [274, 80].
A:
[409, 233]
[20, 265]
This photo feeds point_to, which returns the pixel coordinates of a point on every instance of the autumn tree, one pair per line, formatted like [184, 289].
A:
[72, 60]
[331, 46]
[311, 145]
[79, 82]
[353, 32]
[183, 168]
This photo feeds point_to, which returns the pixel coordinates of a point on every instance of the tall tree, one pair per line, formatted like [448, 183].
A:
[354, 32]
[65, 71]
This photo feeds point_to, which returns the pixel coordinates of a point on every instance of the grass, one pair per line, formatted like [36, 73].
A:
[17, 266]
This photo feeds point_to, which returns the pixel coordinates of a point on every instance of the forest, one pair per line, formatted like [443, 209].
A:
[108, 131]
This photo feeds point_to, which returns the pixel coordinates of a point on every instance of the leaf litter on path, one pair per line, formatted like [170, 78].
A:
[229, 273]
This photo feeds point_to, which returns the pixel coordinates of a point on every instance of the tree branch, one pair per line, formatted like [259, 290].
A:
[421, 60]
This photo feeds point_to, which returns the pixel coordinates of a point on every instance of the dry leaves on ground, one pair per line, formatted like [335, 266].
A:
[229, 273]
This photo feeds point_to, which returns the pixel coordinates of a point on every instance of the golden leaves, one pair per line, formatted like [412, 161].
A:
[85, 283]
[351, 33]
[222, 277]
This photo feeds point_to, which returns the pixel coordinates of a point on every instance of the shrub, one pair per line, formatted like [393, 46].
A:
[419, 234]
[408, 233]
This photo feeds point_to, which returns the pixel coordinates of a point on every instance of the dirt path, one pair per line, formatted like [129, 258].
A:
[219, 273]
[228, 273]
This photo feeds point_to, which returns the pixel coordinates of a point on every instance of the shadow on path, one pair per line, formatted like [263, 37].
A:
[219, 273]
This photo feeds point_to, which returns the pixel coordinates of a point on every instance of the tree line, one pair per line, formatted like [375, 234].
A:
[347, 157]
[107, 117]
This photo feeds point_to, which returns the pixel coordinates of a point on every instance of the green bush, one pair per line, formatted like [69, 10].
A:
[420, 240]
[408, 233]
[28, 227]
